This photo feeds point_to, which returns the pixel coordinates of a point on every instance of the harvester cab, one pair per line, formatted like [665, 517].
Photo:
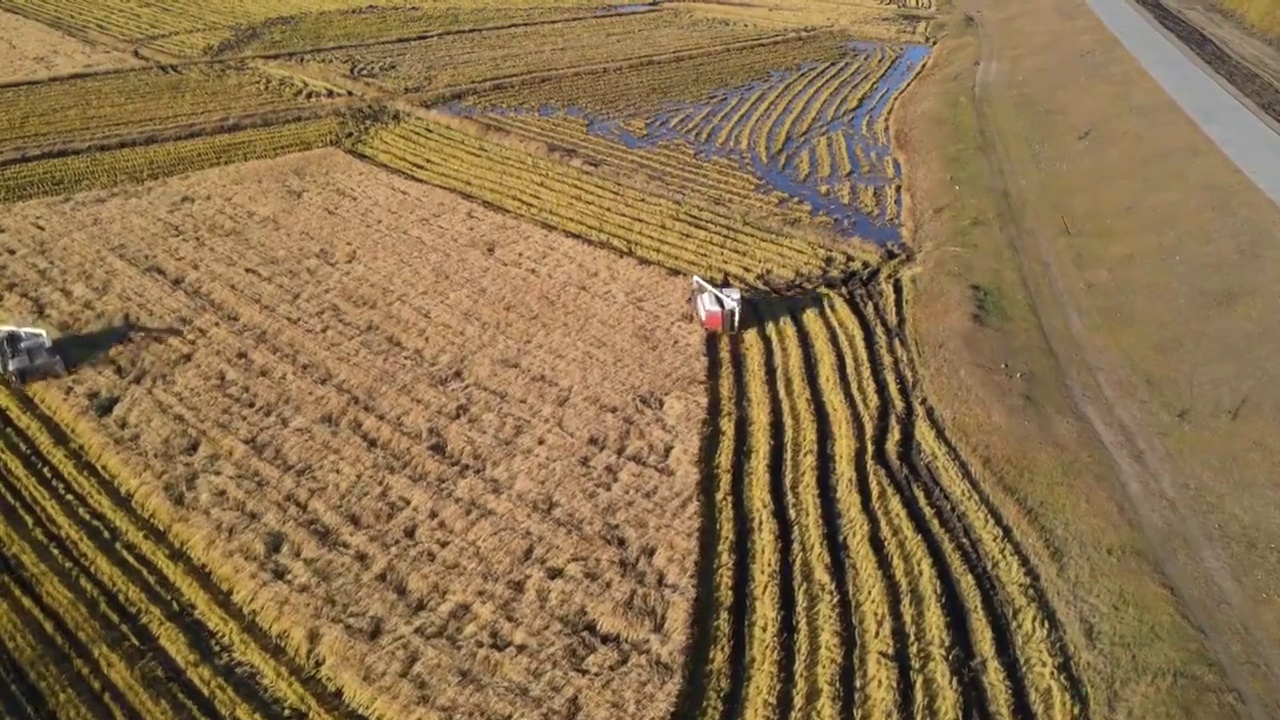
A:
[718, 309]
[27, 354]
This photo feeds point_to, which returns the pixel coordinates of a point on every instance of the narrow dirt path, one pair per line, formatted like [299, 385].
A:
[1194, 566]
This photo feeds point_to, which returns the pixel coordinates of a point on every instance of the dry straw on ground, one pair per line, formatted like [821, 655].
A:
[450, 455]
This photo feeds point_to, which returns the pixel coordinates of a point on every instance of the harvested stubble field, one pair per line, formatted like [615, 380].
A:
[29, 49]
[460, 466]
[401, 417]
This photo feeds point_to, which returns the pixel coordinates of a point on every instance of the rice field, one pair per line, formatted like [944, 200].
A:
[415, 422]
[453, 61]
[50, 117]
[128, 166]
[855, 566]
[817, 134]
[686, 239]
[189, 28]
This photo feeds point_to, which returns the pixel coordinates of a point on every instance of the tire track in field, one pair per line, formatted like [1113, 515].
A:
[932, 424]
[936, 610]
[737, 604]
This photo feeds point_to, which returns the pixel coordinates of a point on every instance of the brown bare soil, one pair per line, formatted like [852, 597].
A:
[29, 50]
[451, 455]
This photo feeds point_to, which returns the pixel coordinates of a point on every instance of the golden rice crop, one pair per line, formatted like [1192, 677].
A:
[91, 568]
[374, 24]
[670, 168]
[77, 173]
[438, 63]
[191, 27]
[681, 237]
[82, 110]
[888, 540]
[771, 596]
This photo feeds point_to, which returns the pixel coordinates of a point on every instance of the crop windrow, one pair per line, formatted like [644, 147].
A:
[202, 629]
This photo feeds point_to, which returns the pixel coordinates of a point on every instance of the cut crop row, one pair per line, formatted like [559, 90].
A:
[124, 19]
[885, 584]
[373, 24]
[149, 574]
[682, 238]
[43, 547]
[78, 173]
[79, 110]
[669, 168]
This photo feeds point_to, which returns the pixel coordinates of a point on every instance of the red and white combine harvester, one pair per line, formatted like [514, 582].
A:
[718, 309]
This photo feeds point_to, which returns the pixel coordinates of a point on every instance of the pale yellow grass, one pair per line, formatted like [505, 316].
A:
[449, 455]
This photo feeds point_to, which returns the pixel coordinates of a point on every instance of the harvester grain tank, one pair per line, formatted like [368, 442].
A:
[718, 309]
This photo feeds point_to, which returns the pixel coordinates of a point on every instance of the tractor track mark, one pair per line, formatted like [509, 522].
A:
[957, 530]
[862, 471]
[1064, 663]
[204, 583]
[786, 539]
[831, 521]
[20, 697]
[28, 518]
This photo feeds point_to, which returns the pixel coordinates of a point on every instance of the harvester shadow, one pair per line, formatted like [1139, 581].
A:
[79, 350]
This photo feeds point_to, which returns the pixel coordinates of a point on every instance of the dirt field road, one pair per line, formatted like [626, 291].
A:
[1164, 503]
[1250, 143]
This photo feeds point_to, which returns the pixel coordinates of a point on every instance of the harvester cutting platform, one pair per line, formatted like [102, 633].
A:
[27, 354]
[718, 309]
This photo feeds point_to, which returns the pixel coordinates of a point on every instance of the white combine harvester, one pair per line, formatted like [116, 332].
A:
[718, 309]
[27, 354]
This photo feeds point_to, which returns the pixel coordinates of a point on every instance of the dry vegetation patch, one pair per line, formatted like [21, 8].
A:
[449, 455]
[31, 50]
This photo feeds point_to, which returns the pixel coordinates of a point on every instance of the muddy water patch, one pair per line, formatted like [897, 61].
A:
[817, 133]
